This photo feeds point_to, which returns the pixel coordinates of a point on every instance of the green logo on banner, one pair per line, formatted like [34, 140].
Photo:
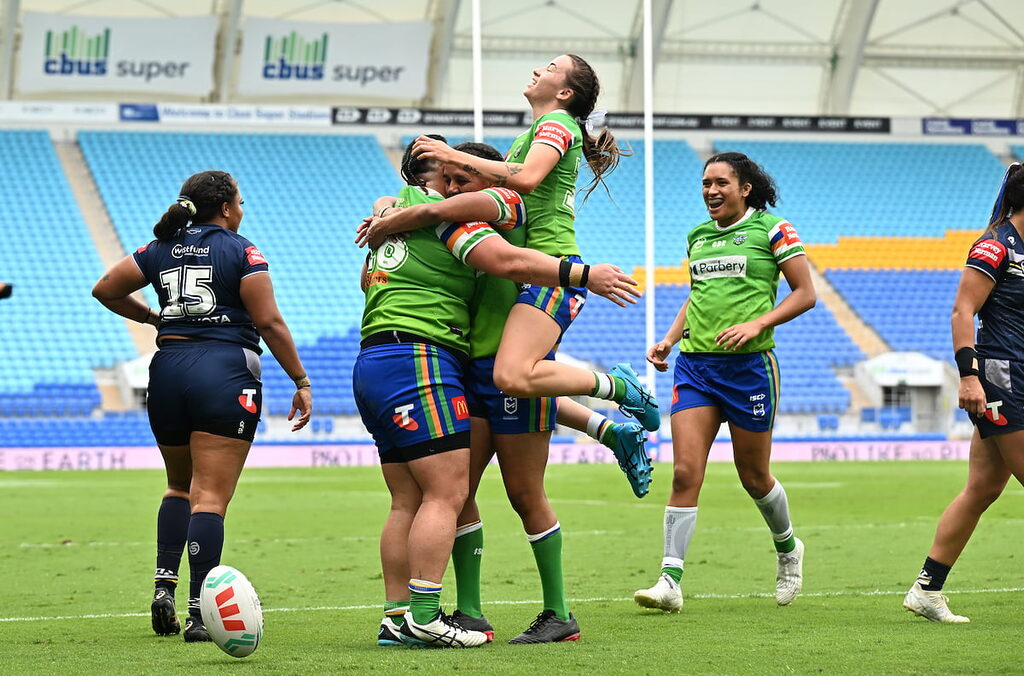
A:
[292, 57]
[72, 52]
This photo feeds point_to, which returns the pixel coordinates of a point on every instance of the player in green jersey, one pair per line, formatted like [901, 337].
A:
[407, 381]
[543, 165]
[510, 427]
[726, 369]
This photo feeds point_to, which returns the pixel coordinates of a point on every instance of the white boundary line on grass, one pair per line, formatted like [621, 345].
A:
[598, 599]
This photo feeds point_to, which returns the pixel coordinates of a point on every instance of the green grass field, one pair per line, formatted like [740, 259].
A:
[76, 555]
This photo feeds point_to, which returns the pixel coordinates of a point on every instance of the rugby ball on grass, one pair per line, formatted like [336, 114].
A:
[231, 611]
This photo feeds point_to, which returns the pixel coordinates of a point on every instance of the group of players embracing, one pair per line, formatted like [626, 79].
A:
[473, 276]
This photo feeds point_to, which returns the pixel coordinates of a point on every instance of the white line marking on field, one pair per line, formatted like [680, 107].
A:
[597, 599]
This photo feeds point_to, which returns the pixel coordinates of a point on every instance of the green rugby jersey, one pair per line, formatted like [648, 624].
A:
[421, 284]
[552, 205]
[734, 277]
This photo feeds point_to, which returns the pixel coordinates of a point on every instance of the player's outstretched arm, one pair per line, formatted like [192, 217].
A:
[114, 290]
[257, 294]
[456, 209]
[524, 178]
[497, 257]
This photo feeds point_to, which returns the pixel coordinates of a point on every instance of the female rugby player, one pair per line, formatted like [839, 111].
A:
[726, 369]
[991, 387]
[205, 394]
[409, 388]
[543, 165]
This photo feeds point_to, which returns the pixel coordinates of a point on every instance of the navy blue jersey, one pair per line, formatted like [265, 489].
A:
[1001, 326]
[197, 276]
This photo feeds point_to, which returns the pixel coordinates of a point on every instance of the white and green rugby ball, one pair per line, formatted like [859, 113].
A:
[231, 611]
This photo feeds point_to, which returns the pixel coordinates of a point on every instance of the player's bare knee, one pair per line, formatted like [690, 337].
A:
[512, 381]
[982, 497]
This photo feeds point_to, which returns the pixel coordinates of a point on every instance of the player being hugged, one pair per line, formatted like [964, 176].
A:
[991, 369]
[543, 165]
[726, 369]
[409, 381]
[205, 393]
[517, 430]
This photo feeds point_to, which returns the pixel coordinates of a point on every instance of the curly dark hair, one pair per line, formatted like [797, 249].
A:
[413, 168]
[763, 192]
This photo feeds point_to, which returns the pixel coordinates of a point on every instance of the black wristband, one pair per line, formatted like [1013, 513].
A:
[585, 276]
[564, 268]
[967, 361]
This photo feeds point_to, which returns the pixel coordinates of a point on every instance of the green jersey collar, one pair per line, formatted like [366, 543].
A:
[746, 217]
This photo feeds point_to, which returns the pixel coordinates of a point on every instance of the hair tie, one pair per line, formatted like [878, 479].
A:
[596, 120]
[997, 208]
[187, 203]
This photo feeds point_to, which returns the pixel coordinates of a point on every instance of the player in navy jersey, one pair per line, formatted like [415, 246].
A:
[991, 367]
[205, 393]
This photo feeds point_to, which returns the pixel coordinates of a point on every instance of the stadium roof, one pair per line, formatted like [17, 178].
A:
[861, 57]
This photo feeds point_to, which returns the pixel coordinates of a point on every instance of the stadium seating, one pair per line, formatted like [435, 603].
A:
[304, 195]
[876, 234]
[878, 189]
[909, 309]
[52, 332]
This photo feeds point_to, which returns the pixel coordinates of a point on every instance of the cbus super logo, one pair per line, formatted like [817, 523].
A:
[292, 57]
[74, 53]
[724, 266]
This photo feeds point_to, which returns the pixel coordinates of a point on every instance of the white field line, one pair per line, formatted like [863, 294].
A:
[599, 599]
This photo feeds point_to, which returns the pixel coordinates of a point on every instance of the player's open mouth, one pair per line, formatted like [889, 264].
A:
[715, 203]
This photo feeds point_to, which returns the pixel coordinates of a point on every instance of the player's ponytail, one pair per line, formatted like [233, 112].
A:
[601, 152]
[1010, 198]
[415, 168]
[763, 192]
[199, 201]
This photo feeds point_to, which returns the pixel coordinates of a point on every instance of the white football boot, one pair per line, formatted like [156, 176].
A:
[790, 578]
[443, 632]
[930, 605]
[664, 595]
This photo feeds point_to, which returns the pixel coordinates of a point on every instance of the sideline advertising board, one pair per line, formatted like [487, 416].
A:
[74, 53]
[379, 60]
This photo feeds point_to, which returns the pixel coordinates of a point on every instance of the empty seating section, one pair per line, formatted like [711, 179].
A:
[888, 224]
[908, 309]
[304, 195]
[878, 189]
[52, 332]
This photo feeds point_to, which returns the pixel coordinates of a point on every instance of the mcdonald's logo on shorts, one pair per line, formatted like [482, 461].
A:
[460, 407]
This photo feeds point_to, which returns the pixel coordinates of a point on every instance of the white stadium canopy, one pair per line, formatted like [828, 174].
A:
[800, 57]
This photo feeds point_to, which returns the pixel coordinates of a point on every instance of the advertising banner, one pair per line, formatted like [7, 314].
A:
[356, 455]
[282, 58]
[226, 114]
[677, 122]
[959, 126]
[73, 53]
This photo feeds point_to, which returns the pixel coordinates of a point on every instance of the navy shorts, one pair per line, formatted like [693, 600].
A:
[1003, 382]
[411, 399]
[507, 415]
[203, 386]
[744, 386]
[562, 304]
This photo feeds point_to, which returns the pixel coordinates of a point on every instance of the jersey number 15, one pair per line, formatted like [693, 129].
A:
[188, 294]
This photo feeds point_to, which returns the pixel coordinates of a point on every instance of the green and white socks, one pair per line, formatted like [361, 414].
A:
[547, 551]
[467, 552]
[601, 429]
[607, 386]
[680, 522]
[424, 601]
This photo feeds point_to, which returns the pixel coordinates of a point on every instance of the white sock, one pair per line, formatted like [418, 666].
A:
[604, 386]
[594, 425]
[775, 510]
[680, 522]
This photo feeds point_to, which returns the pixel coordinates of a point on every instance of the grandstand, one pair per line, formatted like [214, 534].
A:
[304, 193]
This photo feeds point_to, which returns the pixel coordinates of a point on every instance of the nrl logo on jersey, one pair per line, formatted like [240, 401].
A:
[699, 244]
[725, 266]
[390, 255]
